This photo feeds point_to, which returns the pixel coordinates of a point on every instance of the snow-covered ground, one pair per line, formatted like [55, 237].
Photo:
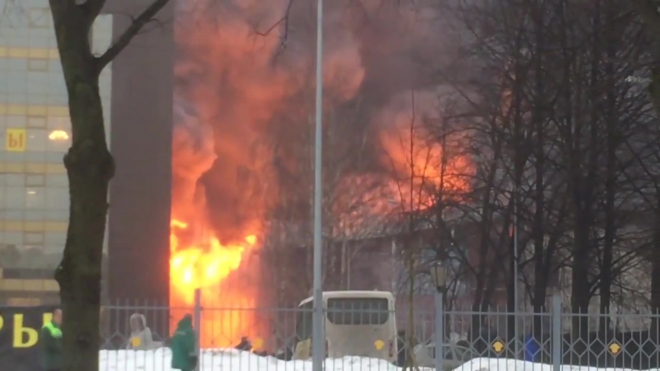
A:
[233, 360]
[230, 360]
[490, 364]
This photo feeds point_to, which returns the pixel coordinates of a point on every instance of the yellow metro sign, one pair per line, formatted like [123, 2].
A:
[16, 140]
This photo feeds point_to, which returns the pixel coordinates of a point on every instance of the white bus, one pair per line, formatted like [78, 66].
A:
[357, 323]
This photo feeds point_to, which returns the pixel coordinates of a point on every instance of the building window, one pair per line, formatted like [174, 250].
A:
[15, 198]
[35, 198]
[34, 180]
[57, 198]
[34, 238]
[57, 180]
[37, 140]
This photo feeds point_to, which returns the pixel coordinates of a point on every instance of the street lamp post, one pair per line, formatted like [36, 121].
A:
[317, 328]
[439, 275]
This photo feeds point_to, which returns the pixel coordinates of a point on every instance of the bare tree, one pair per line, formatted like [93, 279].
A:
[90, 167]
[553, 114]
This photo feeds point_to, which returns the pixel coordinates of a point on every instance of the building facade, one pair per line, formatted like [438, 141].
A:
[35, 131]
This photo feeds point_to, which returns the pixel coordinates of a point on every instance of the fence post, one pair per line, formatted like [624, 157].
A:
[439, 332]
[198, 327]
[556, 333]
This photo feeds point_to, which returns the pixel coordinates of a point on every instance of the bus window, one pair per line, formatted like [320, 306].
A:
[304, 322]
[358, 311]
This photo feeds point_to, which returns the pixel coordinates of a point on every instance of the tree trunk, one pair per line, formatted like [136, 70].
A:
[613, 135]
[648, 12]
[655, 270]
[89, 167]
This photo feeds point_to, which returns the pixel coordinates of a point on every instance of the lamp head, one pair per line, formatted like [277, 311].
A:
[439, 275]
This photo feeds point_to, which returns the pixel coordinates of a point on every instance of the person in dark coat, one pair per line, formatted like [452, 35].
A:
[184, 354]
[50, 340]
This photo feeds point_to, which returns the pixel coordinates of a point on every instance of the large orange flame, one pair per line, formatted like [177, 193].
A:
[207, 264]
[246, 92]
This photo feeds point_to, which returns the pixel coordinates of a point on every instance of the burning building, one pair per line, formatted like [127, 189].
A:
[224, 178]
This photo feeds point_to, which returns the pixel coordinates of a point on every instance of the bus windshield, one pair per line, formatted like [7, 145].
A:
[358, 311]
[304, 322]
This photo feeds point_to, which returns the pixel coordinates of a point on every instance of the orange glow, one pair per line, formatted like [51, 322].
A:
[251, 239]
[425, 170]
[202, 266]
[207, 264]
[241, 114]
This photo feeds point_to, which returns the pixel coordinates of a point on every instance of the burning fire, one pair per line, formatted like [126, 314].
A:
[242, 102]
[204, 265]
[207, 264]
[424, 168]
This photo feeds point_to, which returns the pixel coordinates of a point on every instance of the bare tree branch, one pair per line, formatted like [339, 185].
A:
[138, 23]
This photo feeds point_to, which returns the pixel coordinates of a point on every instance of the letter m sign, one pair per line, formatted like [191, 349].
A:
[16, 140]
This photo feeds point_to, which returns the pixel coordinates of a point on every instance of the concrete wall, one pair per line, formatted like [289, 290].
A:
[141, 142]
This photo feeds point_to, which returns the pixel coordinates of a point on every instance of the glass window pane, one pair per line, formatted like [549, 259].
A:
[35, 198]
[59, 123]
[36, 122]
[12, 179]
[358, 311]
[34, 215]
[57, 180]
[16, 121]
[13, 238]
[59, 140]
[55, 238]
[56, 214]
[14, 214]
[34, 238]
[34, 180]
[15, 198]
[57, 198]
[37, 139]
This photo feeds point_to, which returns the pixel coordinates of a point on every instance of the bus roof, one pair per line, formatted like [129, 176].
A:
[352, 294]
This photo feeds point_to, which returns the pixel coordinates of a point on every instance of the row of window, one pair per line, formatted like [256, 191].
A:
[39, 80]
[36, 198]
[34, 215]
[50, 123]
[21, 239]
[47, 61]
[34, 180]
[32, 82]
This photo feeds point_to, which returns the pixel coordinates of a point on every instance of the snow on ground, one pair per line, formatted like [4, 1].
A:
[230, 360]
[234, 360]
[491, 364]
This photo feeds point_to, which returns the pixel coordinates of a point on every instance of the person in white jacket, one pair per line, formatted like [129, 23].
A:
[141, 338]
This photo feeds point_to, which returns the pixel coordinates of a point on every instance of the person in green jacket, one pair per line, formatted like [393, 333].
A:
[51, 342]
[184, 354]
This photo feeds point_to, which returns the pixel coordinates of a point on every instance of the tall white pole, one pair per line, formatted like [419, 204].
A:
[318, 343]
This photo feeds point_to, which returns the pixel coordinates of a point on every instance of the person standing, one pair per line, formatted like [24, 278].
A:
[141, 338]
[184, 354]
[51, 342]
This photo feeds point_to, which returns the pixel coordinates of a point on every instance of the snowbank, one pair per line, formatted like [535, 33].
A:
[230, 360]
[234, 360]
[490, 364]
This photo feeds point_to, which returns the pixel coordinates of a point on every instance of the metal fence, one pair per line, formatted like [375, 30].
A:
[266, 338]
